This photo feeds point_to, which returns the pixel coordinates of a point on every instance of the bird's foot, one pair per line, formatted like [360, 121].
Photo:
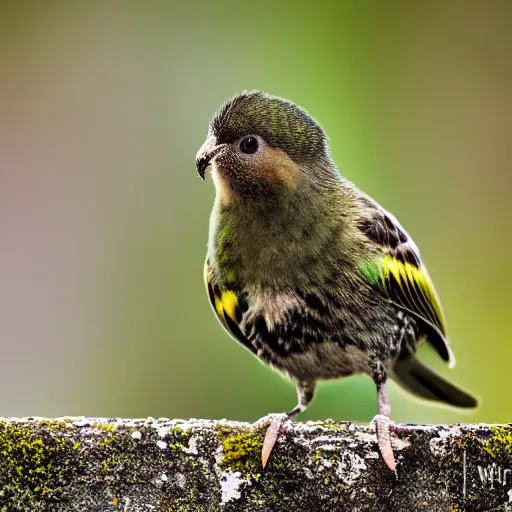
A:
[274, 424]
[401, 427]
[383, 426]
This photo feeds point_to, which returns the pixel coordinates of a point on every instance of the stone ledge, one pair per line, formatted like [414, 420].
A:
[161, 465]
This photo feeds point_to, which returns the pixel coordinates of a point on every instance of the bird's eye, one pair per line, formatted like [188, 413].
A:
[249, 145]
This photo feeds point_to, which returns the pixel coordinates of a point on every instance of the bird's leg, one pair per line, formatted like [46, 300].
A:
[382, 425]
[274, 422]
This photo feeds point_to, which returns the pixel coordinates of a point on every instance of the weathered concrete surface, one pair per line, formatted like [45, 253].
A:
[90, 464]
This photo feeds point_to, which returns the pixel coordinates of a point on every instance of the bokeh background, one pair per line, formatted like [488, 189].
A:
[103, 220]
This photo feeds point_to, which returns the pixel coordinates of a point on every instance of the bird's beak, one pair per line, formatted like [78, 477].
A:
[205, 155]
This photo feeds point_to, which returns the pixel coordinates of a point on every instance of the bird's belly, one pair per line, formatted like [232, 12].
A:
[309, 337]
[327, 360]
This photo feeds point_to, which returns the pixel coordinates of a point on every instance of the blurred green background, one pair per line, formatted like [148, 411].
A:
[103, 221]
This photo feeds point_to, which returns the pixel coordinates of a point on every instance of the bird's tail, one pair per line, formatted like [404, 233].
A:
[417, 378]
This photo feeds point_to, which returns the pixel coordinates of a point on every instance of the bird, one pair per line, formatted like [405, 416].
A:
[309, 273]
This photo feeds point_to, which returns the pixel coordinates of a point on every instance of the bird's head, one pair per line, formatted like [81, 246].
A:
[261, 147]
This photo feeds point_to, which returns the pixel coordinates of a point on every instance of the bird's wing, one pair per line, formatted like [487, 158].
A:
[400, 273]
[226, 306]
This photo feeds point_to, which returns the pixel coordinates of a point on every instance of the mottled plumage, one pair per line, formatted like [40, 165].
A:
[304, 270]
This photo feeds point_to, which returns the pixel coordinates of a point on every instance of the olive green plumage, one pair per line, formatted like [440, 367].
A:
[281, 123]
[303, 269]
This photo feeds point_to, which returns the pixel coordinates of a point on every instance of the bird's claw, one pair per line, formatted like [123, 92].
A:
[380, 418]
[383, 426]
[274, 424]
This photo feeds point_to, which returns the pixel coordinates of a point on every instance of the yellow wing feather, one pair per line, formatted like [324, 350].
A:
[226, 306]
[410, 286]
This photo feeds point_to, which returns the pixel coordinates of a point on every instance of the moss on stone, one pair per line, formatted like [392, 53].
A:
[31, 464]
[107, 427]
[334, 425]
[241, 450]
[179, 439]
[500, 441]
